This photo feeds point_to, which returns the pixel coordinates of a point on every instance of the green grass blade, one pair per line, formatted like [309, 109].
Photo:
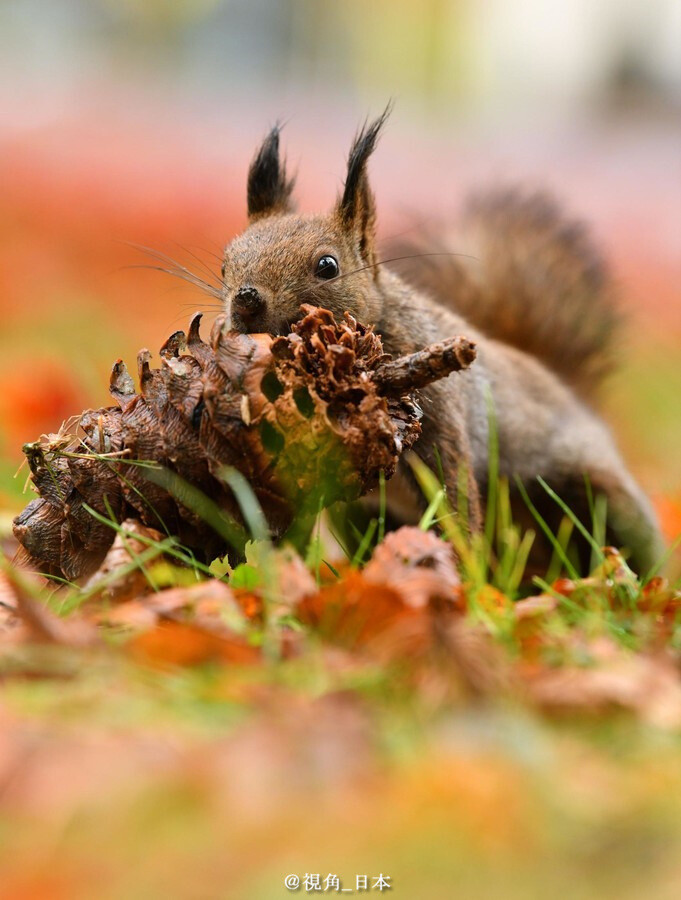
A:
[664, 559]
[358, 558]
[195, 500]
[248, 503]
[447, 520]
[382, 506]
[492, 469]
[586, 534]
[515, 577]
[599, 518]
[428, 518]
[563, 536]
[569, 567]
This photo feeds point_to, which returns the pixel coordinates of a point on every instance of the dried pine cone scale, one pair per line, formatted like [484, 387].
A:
[308, 418]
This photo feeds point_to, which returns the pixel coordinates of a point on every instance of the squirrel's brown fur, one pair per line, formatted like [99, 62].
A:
[537, 282]
[523, 273]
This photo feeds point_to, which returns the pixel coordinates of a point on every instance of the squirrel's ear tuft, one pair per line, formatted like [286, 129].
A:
[269, 190]
[356, 207]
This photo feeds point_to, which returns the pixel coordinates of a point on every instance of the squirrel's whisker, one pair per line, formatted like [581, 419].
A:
[178, 269]
[203, 265]
[218, 256]
[189, 277]
[183, 317]
[218, 306]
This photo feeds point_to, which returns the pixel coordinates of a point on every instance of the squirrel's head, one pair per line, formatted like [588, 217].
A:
[284, 259]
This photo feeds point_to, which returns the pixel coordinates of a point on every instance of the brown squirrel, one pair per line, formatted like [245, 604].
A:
[535, 297]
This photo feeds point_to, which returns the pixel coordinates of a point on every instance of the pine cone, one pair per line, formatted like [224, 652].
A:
[308, 419]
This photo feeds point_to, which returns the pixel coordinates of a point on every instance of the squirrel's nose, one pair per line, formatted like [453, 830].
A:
[248, 302]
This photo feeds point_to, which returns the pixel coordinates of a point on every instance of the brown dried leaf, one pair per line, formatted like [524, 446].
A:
[293, 576]
[207, 602]
[535, 607]
[122, 552]
[648, 686]
[44, 626]
[399, 611]
[8, 602]
[418, 565]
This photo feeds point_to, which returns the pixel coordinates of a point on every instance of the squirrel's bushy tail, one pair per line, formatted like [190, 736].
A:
[531, 277]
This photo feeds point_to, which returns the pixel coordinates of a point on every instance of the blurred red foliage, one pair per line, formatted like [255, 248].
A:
[76, 190]
[669, 513]
[36, 395]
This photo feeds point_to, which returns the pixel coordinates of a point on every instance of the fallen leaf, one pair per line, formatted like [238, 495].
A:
[533, 607]
[531, 624]
[657, 597]
[353, 611]
[493, 601]
[173, 643]
[646, 685]
[121, 554]
[9, 617]
[44, 625]
[40, 623]
[209, 604]
[418, 565]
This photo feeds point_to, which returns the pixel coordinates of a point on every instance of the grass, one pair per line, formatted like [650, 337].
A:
[219, 779]
[494, 559]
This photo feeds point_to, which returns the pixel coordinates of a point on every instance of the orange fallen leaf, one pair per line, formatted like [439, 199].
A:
[250, 603]
[530, 630]
[493, 601]
[9, 617]
[444, 652]
[353, 611]
[564, 586]
[659, 598]
[183, 644]
[41, 885]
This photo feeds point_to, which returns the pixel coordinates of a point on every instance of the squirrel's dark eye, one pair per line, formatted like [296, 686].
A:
[327, 267]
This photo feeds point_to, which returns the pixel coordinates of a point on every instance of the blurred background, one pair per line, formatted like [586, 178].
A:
[134, 121]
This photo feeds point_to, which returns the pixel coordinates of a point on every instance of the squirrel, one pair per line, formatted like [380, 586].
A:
[533, 294]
